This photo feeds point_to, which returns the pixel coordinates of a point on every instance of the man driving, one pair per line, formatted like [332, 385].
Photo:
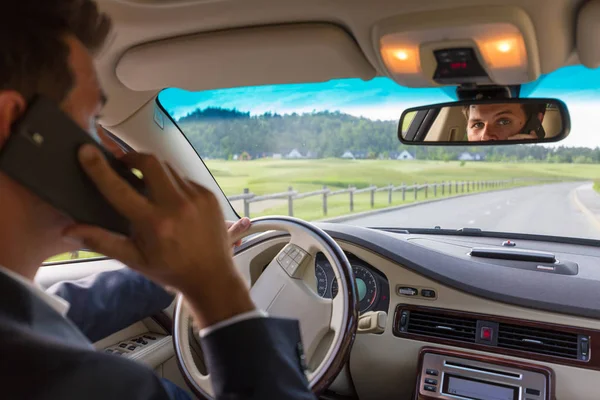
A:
[180, 240]
[509, 121]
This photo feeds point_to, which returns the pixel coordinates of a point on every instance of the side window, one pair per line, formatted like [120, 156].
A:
[117, 146]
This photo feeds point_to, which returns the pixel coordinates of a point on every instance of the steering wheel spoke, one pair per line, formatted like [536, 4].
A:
[286, 288]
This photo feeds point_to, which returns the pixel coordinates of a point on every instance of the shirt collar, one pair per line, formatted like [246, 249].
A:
[59, 304]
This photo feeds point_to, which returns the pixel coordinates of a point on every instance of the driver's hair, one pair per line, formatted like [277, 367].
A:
[34, 56]
[528, 108]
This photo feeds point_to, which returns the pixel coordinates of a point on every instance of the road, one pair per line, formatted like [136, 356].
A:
[546, 209]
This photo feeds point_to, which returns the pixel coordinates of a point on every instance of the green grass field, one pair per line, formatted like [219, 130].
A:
[272, 176]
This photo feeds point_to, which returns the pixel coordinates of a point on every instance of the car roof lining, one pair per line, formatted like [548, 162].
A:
[145, 24]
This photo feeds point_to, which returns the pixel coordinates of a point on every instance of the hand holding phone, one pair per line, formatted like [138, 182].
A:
[41, 154]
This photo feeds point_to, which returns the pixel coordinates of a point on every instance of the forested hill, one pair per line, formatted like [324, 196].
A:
[222, 133]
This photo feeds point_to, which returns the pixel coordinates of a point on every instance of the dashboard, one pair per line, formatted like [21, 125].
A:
[465, 316]
[373, 287]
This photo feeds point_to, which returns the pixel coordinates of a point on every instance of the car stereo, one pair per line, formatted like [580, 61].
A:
[454, 375]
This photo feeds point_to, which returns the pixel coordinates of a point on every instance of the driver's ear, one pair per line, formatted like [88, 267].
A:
[12, 106]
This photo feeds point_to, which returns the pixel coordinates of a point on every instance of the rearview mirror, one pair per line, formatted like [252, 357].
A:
[493, 122]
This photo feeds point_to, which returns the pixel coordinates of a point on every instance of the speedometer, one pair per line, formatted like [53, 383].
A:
[321, 280]
[366, 286]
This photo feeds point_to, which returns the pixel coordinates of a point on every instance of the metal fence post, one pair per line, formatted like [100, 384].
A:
[246, 204]
[435, 185]
[426, 189]
[403, 192]
[462, 188]
[468, 186]
[290, 202]
[325, 200]
[449, 187]
[351, 198]
[390, 190]
[373, 196]
[416, 189]
[443, 187]
[456, 187]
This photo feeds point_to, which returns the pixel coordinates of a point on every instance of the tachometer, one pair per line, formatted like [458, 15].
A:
[321, 280]
[366, 285]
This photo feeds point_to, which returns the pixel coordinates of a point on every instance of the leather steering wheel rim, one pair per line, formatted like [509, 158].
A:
[344, 307]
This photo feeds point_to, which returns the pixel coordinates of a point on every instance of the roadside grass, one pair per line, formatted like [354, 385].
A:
[267, 176]
[597, 186]
[70, 256]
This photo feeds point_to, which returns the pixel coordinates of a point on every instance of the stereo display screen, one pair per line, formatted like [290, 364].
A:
[478, 390]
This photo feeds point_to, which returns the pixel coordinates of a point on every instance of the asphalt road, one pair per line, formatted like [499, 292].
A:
[546, 209]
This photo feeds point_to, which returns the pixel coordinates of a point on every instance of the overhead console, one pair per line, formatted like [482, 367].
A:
[474, 45]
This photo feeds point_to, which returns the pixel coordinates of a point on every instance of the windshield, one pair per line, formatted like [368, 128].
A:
[330, 150]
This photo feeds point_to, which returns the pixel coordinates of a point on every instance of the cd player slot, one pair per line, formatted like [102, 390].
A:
[466, 367]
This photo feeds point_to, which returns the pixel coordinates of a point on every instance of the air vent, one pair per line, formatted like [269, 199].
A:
[535, 340]
[442, 326]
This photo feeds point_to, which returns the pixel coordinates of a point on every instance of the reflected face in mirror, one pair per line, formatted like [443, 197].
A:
[501, 122]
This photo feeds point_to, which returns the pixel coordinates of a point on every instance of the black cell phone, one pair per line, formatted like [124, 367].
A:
[534, 124]
[41, 155]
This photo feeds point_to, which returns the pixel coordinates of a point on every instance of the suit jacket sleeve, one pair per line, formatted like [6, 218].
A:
[107, 302]
[258, 358]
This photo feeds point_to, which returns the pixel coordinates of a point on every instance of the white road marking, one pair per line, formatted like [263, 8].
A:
[471, 222]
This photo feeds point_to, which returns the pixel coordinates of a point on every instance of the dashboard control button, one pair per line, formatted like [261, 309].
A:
[585, 346]
[432, 372]
[430, 388]
[487, 333]
[123, 345]
[109, 350]
[430, 381]
[534, 392]
[407, 291]
[403, 319]
[150, 337]
[428, 293]
[132, 347]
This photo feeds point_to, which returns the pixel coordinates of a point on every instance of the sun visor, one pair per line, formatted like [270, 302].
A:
[588, 33]
[472, 45]
[245, 57]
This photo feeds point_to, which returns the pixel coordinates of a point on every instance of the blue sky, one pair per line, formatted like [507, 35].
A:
[381, 98]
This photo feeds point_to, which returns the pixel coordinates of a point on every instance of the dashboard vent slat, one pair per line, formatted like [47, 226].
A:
[541, 341]
[442, 326]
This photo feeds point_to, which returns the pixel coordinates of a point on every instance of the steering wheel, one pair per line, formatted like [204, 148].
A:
[287, 288]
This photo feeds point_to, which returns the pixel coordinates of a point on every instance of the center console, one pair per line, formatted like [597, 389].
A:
[451, 375]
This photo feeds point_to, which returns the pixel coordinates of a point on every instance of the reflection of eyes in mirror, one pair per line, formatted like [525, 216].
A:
[511, 121]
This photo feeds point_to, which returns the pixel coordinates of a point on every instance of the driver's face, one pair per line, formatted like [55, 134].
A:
[494, 121]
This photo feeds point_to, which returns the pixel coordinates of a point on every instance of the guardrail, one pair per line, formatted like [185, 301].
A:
[438, 188]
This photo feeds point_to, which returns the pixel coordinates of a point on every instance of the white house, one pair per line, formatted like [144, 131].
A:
[348, 155]
[405, 155]
[277, 156]
[294, 154]
[470, 157]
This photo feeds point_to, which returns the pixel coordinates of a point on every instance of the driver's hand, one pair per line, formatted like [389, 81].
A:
[523, 136]
[178, 238]
[236, 228]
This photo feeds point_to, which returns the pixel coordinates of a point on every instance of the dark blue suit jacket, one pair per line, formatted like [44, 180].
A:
[45, 356]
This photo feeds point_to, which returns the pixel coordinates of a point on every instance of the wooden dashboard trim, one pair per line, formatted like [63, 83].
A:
[593, 363]
[546, 371]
